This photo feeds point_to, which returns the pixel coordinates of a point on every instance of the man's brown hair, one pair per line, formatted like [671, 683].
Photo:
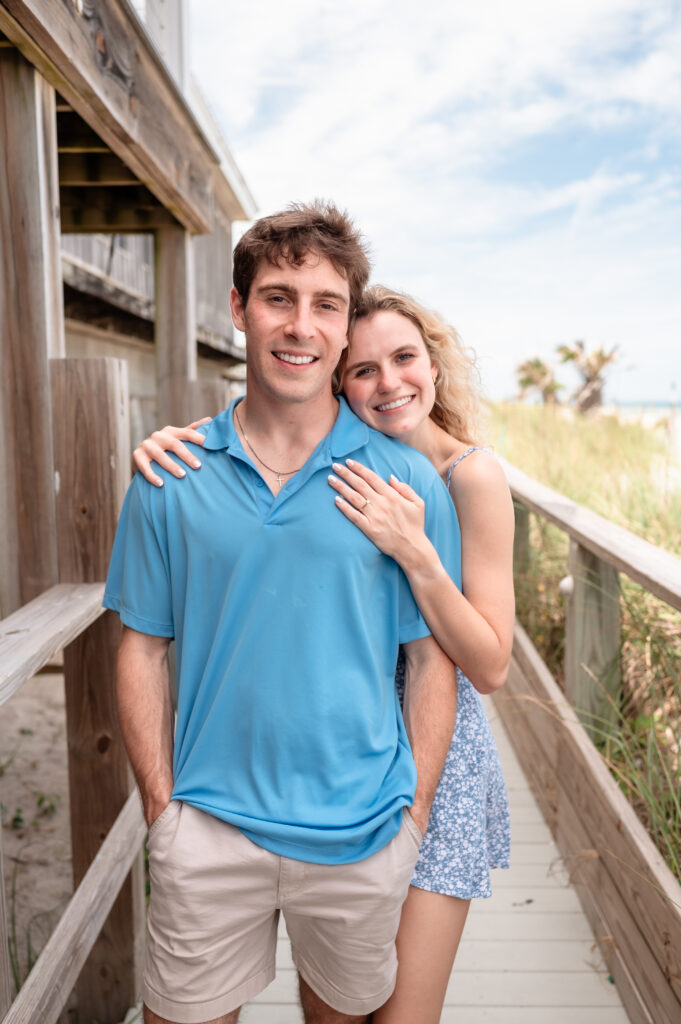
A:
[291, 235]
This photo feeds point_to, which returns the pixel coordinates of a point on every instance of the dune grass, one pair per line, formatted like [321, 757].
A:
[626, 473]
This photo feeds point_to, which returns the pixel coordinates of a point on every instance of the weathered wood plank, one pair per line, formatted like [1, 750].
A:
[32, 635]
[655, 569]
[47, 987]
[100, 59]
[644, 890]
[648, 996]
[175, 325]
[92, 455]
[86, 278]
[32, 326]
[107, 210]
[87, 169]
[5, 970]
[593, 640]
[641, 906]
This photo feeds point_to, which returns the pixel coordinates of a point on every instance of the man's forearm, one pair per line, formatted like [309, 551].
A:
[430, 716]
[145, 714]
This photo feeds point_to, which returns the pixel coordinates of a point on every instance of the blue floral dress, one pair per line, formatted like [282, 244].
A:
[469, 828]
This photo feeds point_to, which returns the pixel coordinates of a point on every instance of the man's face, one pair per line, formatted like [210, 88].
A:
[296, 324]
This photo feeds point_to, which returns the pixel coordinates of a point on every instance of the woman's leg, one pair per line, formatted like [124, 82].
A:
[427, 941]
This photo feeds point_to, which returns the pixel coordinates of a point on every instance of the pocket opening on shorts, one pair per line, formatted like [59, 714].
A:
[412, 828]
[165, 814]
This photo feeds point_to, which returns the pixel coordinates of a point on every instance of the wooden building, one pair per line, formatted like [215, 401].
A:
[117, 199]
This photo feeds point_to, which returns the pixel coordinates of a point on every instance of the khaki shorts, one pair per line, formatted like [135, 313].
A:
[214, 909]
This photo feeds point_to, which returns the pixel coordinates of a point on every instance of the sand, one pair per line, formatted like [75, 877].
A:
[35, 815]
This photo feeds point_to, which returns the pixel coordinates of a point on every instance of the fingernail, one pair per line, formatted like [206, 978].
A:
[337, 467]
[196, 463]
[393, 477]
[181, 472]
[158, 481]
[332, 479]
[349, 462]
[339, 500]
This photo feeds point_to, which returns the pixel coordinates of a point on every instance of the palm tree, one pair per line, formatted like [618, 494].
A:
[536, 375]
[590, 365]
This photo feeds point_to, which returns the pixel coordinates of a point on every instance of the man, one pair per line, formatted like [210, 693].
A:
[286, 784]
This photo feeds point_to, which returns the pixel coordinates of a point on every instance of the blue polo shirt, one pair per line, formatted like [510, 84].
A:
[287, 621]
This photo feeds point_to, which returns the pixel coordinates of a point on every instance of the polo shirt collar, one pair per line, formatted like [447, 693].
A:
[348, 433]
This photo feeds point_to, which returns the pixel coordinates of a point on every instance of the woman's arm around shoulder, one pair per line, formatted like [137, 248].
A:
[169, 439]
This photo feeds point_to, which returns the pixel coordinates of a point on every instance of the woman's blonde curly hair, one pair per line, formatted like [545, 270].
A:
[457, 385]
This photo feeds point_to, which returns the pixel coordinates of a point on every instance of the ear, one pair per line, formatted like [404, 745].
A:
[237, 306]
[434, 372]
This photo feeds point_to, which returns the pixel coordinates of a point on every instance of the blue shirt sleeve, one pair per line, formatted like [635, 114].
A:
[138, 582]
[442, 529]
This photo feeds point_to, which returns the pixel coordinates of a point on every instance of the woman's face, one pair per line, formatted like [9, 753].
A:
[388, 379]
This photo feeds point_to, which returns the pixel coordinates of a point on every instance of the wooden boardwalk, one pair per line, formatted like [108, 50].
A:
[528, 955]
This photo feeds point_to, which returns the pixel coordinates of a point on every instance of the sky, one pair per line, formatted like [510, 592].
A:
[514, 165]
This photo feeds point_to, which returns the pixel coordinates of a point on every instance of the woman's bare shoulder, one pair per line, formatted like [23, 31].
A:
[478, 474]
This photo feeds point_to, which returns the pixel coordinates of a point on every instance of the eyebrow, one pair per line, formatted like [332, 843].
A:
[409, 347]
[273, 286]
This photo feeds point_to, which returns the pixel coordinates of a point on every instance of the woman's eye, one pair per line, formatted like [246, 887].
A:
[363, 372]
[404, 356]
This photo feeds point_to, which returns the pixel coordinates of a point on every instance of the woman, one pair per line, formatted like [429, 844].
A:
[407, 374]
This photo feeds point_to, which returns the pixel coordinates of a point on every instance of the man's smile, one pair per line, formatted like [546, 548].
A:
[297, 360]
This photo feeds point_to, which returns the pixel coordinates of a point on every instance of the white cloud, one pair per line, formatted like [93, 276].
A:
[408, 115]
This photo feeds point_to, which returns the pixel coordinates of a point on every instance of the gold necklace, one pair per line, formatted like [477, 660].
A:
[279, 476]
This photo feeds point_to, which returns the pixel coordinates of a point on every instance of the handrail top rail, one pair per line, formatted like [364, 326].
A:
[34, 633]
[655, 569]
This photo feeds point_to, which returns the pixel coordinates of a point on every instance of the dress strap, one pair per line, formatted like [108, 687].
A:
[469, 451]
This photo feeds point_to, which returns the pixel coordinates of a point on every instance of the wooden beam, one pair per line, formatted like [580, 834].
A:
[88, 279]
[92, 456]
[38, 630]
[175, 325]
[100, 59]
[47, 987]
[108, 210]
[87, 169]
[33, 330]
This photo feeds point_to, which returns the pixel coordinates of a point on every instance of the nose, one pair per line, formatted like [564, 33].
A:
[388, 379]
[301, 324]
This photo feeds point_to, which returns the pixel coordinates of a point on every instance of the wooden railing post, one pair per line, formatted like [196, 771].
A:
[593, 640]
[92, 460]
[32, 328]
[175, 324]
[521, 537]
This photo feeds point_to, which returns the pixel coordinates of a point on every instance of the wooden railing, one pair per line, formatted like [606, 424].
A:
[632, 899]
[28, 640]
[96, 945]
